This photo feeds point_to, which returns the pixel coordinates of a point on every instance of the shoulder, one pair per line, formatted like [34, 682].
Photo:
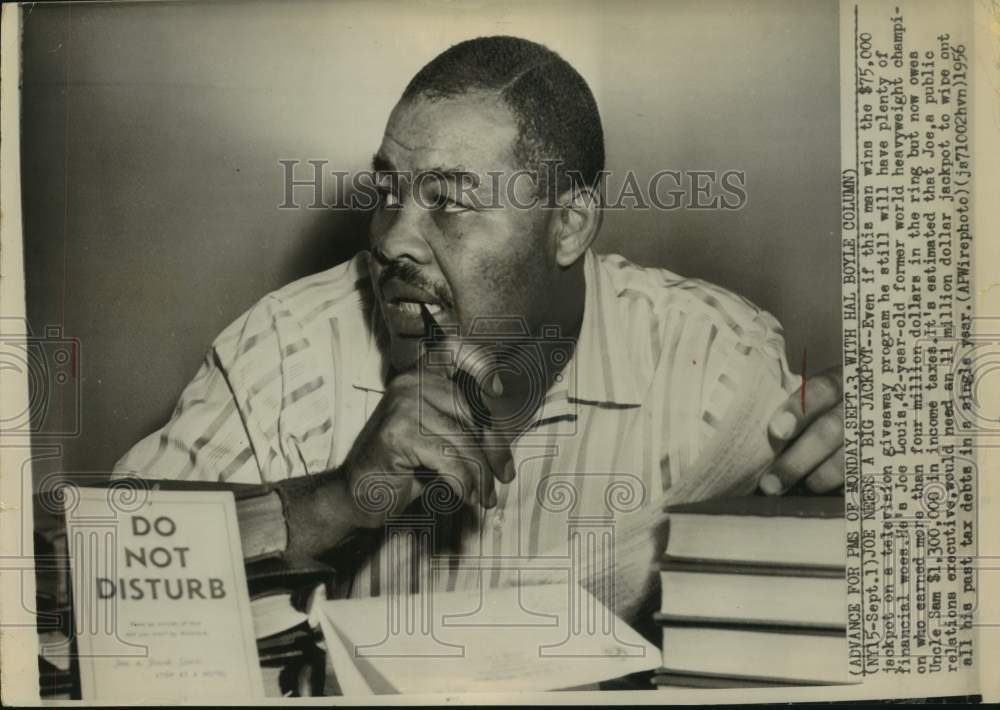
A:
[340, 290]
[302, 310]
[671, 302]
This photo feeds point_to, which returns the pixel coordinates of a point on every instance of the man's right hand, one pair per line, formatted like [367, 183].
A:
[424, 430]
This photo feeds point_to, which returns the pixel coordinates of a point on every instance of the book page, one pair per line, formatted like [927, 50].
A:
[538, 637]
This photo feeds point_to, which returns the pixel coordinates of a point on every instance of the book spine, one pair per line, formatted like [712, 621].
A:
[665, 676]
[664, 619]
[672, 563]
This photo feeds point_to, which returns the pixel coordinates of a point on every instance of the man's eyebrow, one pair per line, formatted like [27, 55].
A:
[457, 173]
[454, 173]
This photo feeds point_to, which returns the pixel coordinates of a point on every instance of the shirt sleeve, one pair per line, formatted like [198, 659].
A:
[213, 433]
[747, 381]
[726, 375]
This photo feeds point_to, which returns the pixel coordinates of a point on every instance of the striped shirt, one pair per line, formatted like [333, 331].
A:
[659, 363]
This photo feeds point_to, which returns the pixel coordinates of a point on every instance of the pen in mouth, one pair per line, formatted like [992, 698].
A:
[471, 388]
[430, 325]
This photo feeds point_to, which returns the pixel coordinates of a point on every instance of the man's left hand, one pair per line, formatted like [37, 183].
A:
[807, 430]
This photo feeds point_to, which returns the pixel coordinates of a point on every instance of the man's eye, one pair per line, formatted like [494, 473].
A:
[386, 197]
[446, 204]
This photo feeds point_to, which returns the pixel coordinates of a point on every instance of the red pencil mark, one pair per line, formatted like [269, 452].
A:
[802, 387]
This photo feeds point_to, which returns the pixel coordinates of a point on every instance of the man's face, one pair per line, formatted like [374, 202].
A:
[464, 252]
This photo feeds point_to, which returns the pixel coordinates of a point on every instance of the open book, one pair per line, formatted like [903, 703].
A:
[523, 638]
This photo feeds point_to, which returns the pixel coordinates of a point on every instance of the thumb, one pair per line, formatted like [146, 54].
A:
[496, 445]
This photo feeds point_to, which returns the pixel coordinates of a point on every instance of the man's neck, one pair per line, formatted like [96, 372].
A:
[552, 348]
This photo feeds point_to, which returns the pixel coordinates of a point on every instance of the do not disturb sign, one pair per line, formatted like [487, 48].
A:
[154, 554]
[160, 597]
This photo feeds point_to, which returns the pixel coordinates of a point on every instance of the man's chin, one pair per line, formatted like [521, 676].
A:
[403, 352]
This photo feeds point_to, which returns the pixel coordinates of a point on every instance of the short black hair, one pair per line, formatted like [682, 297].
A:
[555, 110]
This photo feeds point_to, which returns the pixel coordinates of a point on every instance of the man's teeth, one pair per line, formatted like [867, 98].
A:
[414, 307]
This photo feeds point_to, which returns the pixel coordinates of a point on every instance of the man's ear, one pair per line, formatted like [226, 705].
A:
[574, 223]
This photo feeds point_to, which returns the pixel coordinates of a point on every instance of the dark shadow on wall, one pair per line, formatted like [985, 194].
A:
[146, 232]
[317, 250]
[84, 430]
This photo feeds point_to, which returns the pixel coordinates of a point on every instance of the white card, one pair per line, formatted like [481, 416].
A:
[160, 600]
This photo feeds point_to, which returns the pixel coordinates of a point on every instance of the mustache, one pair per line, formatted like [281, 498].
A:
[409, 274]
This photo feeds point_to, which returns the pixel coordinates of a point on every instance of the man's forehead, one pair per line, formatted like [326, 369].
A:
[470, 133]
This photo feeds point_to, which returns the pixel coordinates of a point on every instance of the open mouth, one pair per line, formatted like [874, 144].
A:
[402, 306]
[413, 307]
[403, 303]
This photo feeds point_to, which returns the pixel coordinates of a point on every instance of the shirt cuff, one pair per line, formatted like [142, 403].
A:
[263, 530]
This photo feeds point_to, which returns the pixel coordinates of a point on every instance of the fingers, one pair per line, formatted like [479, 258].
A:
[465, 470]
[497, 447]
[829, 476]
[445, 437]
[822, 393]
[468, 478]
[453, 415]
[441, 399]
[469, 368]
[823, 438]
[809, 427]
[440, 395]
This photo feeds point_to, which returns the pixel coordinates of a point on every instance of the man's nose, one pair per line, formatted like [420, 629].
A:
[402, 238]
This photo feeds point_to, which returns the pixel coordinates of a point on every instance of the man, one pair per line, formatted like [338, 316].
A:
[482, 346]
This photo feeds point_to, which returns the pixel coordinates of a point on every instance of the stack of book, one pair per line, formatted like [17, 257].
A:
[281, 596]
[753, 593]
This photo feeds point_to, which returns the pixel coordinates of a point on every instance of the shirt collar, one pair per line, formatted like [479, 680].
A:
[599, 372]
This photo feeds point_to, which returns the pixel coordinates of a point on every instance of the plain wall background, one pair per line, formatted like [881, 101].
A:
[151, 137]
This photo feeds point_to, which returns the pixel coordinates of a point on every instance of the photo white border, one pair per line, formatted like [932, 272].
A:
[18, 638]
[18, 641]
